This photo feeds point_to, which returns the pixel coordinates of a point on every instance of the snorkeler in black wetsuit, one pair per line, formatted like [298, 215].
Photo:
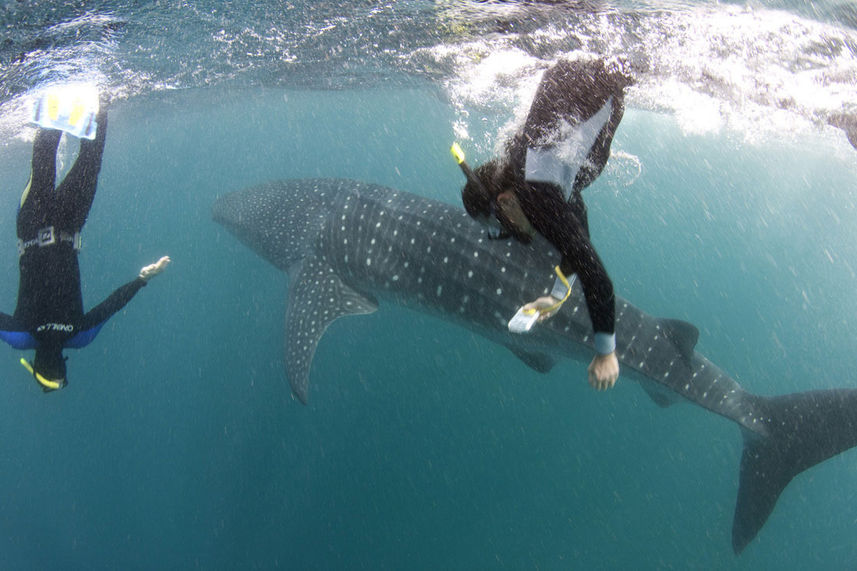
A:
[563, 147]
[49, 316]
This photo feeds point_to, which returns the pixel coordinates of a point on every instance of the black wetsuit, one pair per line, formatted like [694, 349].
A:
[49, 315]
[570, 93]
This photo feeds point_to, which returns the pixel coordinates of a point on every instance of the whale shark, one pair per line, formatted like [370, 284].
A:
[348, 245]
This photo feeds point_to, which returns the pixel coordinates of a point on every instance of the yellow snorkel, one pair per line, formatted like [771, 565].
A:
[458, 155]
[457, 152]
[46, 383]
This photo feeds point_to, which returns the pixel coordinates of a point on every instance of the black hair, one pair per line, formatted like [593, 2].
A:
[477, 202]
[477, 197]
[494, 177]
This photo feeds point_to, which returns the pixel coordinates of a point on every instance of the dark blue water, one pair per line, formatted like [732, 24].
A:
[177, 443]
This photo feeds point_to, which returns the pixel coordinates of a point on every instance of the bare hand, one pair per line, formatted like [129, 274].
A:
[542, 304]
[603, 371]
[150, 271]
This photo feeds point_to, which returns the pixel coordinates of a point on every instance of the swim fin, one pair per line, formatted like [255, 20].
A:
[71, 108]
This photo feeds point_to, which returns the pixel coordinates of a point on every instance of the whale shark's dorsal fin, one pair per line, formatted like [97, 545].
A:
[684, 336]
[317, 297]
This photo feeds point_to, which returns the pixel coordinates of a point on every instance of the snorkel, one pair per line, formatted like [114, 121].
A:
[482, 208]
[458, 154]
[471, 177]
[47, 384]
[490, 199]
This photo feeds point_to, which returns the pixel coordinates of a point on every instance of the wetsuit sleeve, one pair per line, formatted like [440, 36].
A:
[7, 323]
[15, 334]
[554, 219]
[116, 301]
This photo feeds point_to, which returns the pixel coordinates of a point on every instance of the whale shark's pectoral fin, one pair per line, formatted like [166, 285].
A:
[539, 362]
[684, 336]
[317, 297]
[658, 397]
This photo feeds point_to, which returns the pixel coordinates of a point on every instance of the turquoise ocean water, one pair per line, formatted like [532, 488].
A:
[729, 202]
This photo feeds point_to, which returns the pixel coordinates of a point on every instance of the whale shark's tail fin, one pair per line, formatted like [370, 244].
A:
[803, 429]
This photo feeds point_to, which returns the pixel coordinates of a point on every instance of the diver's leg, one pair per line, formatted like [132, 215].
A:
[36, 201]
[77, 190]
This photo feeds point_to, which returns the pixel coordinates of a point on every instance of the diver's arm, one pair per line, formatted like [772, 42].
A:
[8, 323]
[554, 219]
[579, 257]
[603, 371]
[116, 301]
[150, 271]
[14, 333]
[119, 298]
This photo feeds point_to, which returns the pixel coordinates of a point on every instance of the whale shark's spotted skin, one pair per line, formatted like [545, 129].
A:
[430, 256]
[347, 244]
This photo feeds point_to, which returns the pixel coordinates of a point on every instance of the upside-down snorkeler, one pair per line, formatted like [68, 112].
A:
[49, 316]
[536, 187]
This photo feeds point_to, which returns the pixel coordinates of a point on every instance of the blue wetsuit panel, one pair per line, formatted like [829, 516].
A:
[19, 339]
[83, 338]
